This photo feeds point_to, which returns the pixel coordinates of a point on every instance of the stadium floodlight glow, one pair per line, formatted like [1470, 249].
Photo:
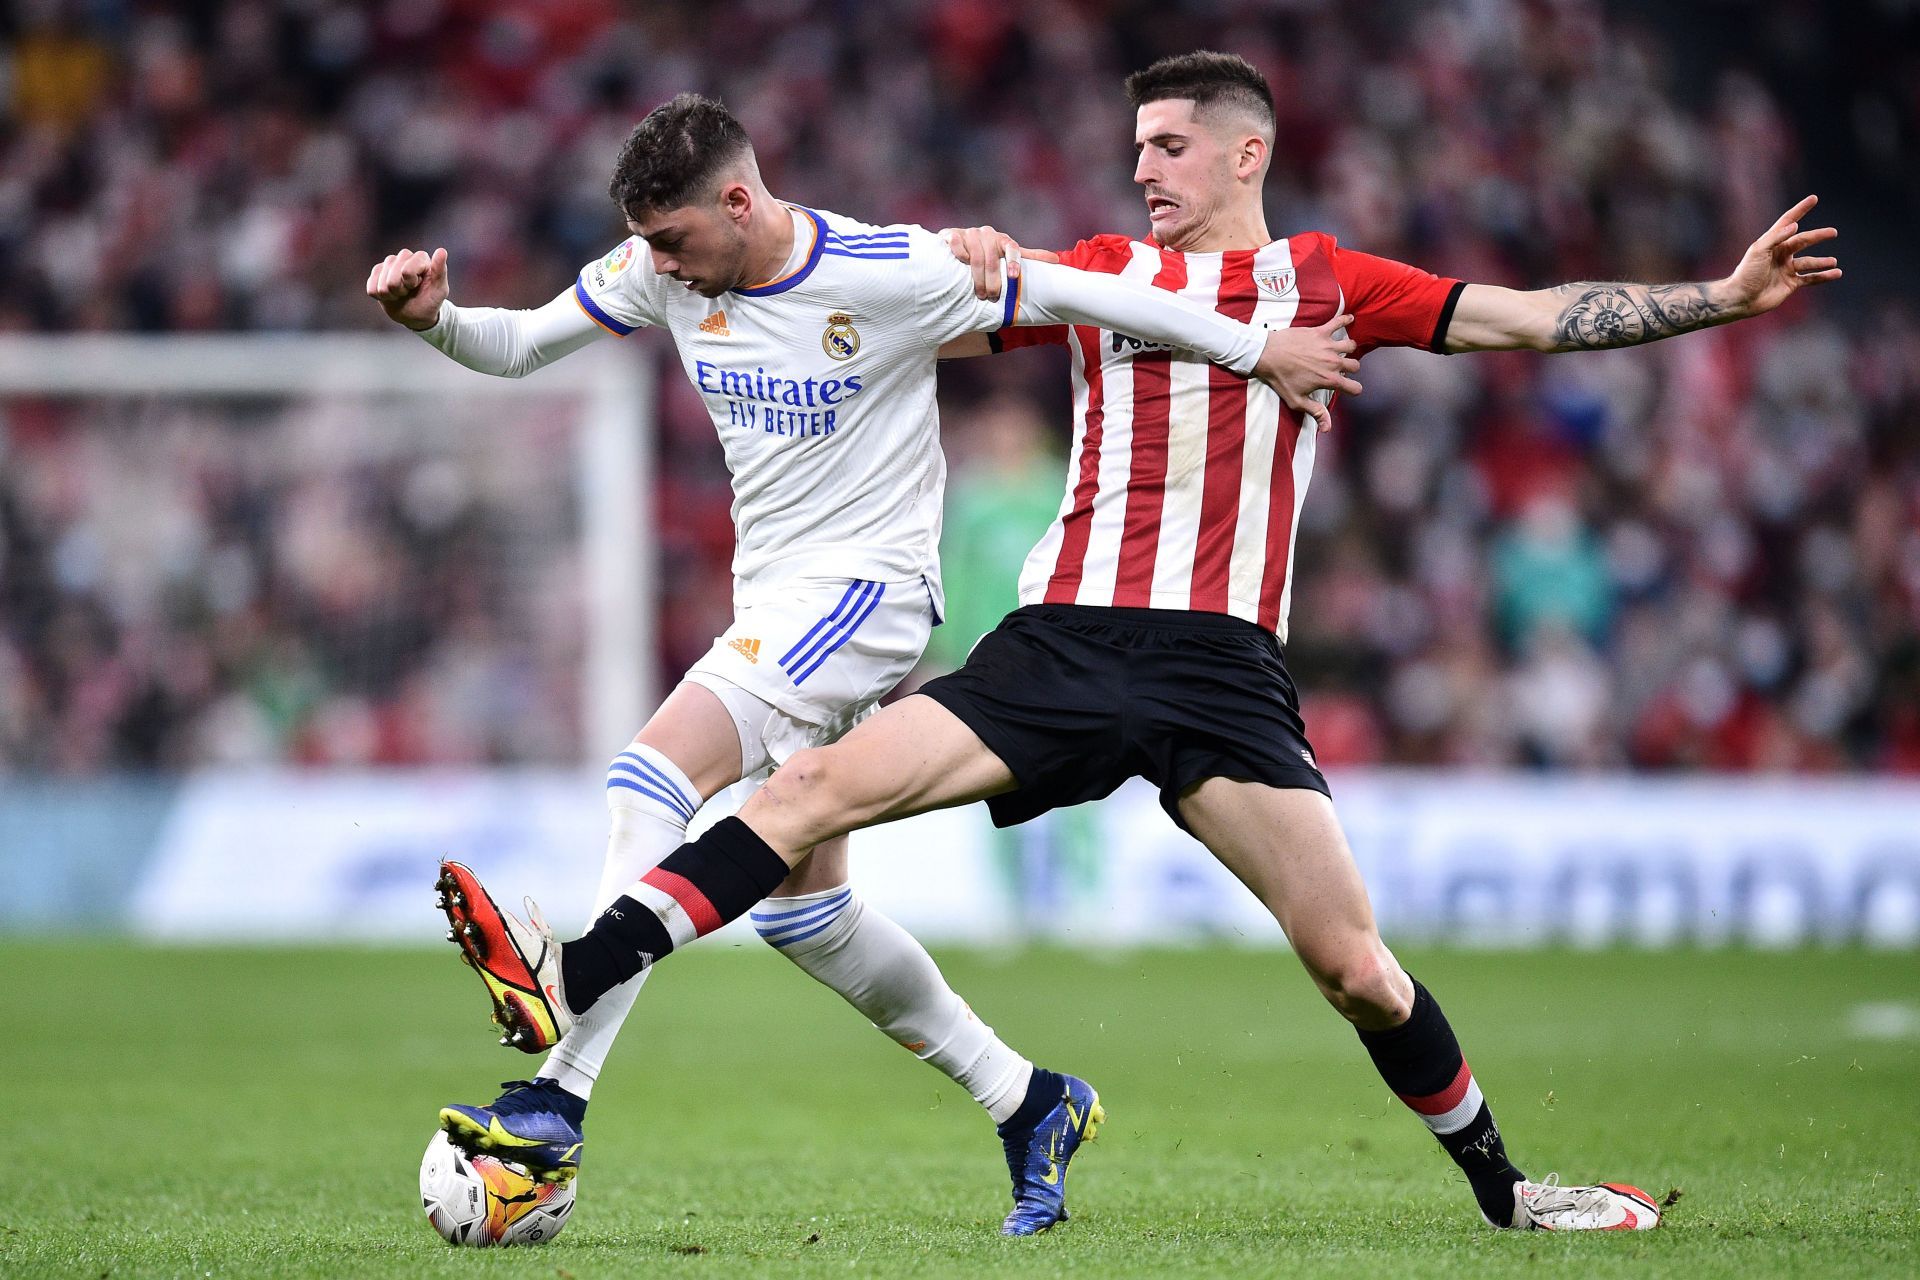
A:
[611, 470]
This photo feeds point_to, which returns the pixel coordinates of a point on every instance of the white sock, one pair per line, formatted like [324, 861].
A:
[650, 801]
[883, 971]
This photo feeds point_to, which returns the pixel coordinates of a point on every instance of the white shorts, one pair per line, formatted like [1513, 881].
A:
[821, 652]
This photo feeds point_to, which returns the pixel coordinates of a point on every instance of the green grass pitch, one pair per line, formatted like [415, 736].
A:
[251, 1113]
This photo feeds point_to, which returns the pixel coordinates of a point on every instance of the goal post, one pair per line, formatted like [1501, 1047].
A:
[384, 394]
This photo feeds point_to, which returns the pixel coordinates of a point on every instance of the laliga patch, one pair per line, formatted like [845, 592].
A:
[1275, 283]
[617, 261]
[841, 339]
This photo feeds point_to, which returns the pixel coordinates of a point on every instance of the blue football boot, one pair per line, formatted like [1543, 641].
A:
[534, 1123]
[1037, 1158]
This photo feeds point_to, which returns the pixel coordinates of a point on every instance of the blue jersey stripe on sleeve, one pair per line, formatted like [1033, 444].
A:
[596, 312]
[1013, 301]
[899, 237]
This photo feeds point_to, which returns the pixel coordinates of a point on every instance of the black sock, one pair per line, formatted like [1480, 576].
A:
[624, 940]
[699, 887]
[1421, 1062]
[1044, 1092]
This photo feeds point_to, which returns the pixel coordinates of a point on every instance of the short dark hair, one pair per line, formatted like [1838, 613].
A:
[1208, 78]
[672, 157]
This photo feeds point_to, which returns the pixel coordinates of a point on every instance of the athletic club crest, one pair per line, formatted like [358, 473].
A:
[841, 339]
[1275, 283]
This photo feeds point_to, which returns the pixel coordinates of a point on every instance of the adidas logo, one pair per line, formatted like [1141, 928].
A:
[748, 649]
[716, 324]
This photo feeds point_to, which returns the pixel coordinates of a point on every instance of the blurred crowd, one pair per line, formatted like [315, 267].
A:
[192, 582]
[1704, 553]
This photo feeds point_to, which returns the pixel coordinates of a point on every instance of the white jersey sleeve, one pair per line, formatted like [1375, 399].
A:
[617, 295]
[621, 293]
[942, 298]
[1046, 293]
[512, 344]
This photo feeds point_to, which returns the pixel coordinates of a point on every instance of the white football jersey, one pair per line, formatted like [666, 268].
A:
[821, 385]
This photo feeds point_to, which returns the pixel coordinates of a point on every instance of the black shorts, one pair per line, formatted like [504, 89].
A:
[1076, 699]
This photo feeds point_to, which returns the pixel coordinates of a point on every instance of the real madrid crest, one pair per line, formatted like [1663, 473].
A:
[841, 339]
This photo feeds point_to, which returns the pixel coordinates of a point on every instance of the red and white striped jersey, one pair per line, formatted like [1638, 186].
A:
[1185, 481]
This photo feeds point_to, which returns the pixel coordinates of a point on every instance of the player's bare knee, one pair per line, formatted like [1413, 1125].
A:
[806, 772]
[810, 785]
[1367, 987]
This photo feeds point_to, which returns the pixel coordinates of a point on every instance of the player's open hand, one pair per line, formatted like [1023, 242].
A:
[984, 249]
[410, 285]
[1771, 270]
[1300, 362]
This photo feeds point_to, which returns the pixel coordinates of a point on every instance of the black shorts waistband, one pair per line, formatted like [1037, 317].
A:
[1085, 615]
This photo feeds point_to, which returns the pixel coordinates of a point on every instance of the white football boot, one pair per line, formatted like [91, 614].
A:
[1610, 1206]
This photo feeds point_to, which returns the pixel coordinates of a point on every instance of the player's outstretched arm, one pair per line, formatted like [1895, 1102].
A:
[1295, 363]
[411, 287]
[1302, 365]
[1596, 316]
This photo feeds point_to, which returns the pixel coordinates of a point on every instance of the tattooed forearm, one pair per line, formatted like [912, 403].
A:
[1601, 316]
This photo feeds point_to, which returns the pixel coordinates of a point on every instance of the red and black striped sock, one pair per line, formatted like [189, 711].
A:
[697, 888]
[1421, 1062]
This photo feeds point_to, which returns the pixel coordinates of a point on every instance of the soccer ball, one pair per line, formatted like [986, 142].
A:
[481, 1202]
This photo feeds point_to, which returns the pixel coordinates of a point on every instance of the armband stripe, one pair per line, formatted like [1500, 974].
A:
[1446, 317]
[1014, 287]
[595, 314]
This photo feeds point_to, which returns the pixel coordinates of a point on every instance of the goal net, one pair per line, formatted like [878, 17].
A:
[327, 551]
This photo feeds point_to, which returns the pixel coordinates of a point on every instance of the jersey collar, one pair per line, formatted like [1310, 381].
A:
[801, 272]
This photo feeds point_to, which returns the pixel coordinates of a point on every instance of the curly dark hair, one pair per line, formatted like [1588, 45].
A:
[1207, 78]
[672, 157]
